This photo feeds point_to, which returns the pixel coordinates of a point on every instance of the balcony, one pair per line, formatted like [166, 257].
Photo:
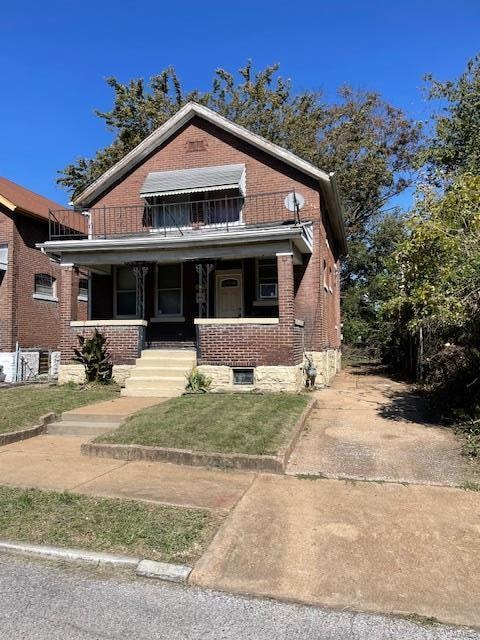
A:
[181, 217]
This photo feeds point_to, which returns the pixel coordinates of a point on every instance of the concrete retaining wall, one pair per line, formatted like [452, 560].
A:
[271, 464]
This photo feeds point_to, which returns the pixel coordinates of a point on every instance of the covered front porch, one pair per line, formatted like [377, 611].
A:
[175, 298]
[232, 304]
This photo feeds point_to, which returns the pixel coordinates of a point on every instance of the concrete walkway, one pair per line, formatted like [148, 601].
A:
[119, 408]
[370, 427]
[100, 417]
[55, 462]
[362, 546]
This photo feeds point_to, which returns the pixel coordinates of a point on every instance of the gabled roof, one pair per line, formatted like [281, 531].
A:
[183, 116]
[17, 198]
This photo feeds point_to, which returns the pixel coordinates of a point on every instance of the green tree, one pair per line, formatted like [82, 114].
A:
[370, 143]
[454, 147]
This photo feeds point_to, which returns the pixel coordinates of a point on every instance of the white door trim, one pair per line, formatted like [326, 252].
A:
[231, 273]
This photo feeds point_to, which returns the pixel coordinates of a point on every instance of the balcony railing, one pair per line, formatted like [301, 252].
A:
[178, 218]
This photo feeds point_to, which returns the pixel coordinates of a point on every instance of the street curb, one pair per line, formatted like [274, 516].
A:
[29, 432]
[163, 571]
[143, 568]
[244, 462]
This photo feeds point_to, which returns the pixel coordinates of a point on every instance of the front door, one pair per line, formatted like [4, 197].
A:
[229, 298]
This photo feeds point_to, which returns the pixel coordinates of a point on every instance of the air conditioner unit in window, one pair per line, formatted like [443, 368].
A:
[268, 291]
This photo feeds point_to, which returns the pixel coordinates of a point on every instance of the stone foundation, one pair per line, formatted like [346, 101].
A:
[76, 373]
[328, 364]
[276, 378]
[269, 379]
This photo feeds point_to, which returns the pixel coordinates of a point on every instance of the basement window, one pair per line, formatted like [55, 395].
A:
[243, 377]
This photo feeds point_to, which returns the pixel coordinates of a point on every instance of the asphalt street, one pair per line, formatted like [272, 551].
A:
[45, 601]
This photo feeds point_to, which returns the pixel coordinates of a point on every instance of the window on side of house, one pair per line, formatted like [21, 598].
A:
[83, 289]
[45, 287]
[267, 279]
[125, 293]
[169, 290]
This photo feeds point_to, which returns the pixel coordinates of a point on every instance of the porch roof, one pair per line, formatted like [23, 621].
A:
[240, 241]
[162, 183]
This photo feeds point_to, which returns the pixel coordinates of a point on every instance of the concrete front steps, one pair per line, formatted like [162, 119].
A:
[160, 373]
[101, 417]
[83, 424]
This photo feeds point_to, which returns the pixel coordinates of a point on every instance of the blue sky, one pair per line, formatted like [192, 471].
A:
[55, 56]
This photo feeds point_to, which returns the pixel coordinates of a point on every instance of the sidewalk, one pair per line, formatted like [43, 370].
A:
[55, 462]
[363, 546]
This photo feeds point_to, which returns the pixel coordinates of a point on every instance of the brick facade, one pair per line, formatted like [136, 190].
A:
[253, 345]
[33, 323]
[124, 342]
[307, 292]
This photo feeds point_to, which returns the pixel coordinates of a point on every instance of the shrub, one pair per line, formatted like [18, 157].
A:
[95, 358]
[197, 382]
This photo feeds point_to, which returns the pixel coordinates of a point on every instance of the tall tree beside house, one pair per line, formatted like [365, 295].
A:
[370, 144]
[454, 147]
[435, 271]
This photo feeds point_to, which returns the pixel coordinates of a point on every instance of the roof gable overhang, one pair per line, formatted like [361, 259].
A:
[181, 118]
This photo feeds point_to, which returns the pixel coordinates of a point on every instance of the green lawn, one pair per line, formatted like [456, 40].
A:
[23, 406]
[169, 534]
[228, 423]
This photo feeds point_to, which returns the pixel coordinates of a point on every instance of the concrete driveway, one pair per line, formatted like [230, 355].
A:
[356, 545]
[368, 426]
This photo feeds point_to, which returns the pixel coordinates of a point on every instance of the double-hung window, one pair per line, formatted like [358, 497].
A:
[83, 289]
[125, 293]
[169, 290]
[267, 279]
[45, 287]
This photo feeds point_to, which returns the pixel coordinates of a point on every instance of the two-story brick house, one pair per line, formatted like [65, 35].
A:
[29, 285]
[207, 244]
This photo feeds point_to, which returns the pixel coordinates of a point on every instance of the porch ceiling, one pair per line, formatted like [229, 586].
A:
[238, 243]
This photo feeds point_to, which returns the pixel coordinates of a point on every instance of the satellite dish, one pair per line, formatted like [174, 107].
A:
[294, 201]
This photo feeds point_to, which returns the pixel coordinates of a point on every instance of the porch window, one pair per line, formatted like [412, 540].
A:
[83, 289]
[267, 279]
[45, 287]
[125, 293]
[169, 290]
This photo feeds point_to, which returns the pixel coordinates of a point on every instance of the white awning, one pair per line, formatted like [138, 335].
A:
[166, 183]
[3, 257]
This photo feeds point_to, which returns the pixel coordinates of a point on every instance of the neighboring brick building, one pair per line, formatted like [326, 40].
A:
[29, 285]
[210, 238]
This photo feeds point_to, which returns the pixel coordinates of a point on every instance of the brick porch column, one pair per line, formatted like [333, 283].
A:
[286, 304]
[68, 300]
